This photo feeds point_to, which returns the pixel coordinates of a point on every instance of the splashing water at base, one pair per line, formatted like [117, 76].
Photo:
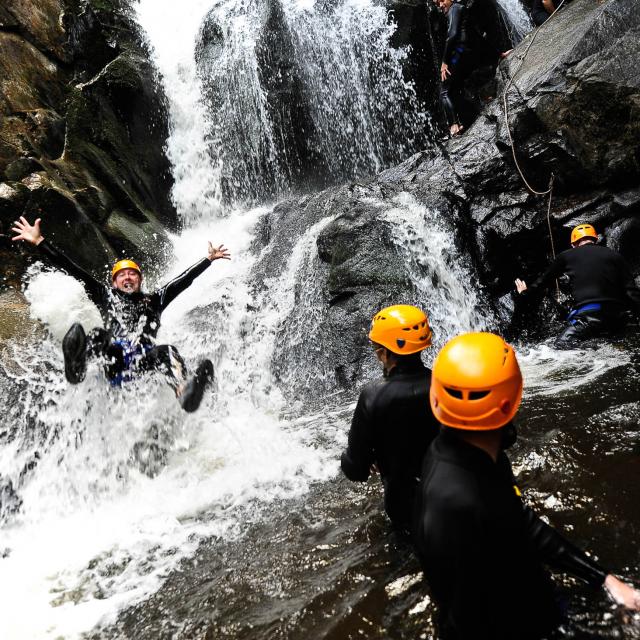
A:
[125, 484]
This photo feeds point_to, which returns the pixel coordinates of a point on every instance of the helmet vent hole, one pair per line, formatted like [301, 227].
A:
[477, 395]
[406, 329]
[415, 327]
[456, 393]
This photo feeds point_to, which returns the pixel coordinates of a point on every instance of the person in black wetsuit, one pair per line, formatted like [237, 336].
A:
[131, 319]
[388, 426]
[603, 288]
[481, 548]
[470, 43]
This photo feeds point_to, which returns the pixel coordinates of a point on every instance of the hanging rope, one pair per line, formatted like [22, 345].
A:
[505, 104]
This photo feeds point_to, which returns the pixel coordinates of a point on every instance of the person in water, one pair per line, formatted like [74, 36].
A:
[388, 427]
[602, 287]
[131, 321]
[481, 548]
[466, 48]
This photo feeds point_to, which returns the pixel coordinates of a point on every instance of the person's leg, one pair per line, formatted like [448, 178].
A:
[582, 327]
[189, 391]
[166, 359]
[446, 99]
[74, 349]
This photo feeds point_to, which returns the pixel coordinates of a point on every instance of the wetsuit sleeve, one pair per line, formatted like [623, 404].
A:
[555, 550]
[453, 33]
[555, 270]
[356, 461]
[171, 290]
[94, 288]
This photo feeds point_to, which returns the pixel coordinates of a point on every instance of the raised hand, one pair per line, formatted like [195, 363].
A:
[217, 253]
[27, 232]
[521, 285]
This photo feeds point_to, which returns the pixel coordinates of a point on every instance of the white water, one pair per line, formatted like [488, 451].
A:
[126, 484]
[517, 17]
[95, 533]
[330, 103]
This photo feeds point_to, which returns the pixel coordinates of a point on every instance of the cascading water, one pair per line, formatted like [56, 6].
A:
[302, 93]
[113, 487]
[518, 20]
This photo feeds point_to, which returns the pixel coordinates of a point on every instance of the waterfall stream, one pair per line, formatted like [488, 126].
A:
[118, 486]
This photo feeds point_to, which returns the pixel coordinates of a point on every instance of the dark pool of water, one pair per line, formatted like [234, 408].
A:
[327, 566]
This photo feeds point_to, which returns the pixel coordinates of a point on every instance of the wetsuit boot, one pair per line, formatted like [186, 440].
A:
[191, 397]
[74, 349]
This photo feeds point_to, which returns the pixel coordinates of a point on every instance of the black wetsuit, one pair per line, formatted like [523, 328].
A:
[392, 427]
[539, 13]
[131, 320]
[603, 290]
[482, 550]
[466, 48]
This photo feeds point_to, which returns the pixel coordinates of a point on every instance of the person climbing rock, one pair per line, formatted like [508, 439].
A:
[388, 431]
[471, 42]
[131, 322]
[602, 287]
[481, 548]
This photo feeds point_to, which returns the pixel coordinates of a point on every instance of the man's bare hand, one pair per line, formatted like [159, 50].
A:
[624, 594]
[27, 232]
[217, 253]
[521, 285]
[444, 71]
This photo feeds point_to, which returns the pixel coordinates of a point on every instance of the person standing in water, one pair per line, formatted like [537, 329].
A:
[388, 428]
[602, 287]
[481, 548]
[132, 320]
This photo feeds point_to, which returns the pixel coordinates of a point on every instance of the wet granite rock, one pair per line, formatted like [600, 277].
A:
[563, 122]
[82, 129]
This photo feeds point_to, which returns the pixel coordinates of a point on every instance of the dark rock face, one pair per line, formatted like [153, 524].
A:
[82, 130]
[573, 112]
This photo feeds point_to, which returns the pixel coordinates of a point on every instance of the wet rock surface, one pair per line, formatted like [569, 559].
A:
[571, 115]
[82, 130]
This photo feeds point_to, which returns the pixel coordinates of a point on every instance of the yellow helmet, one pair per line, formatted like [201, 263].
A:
[476, 384]
[124, 264]
[402, 328]
[583, 231]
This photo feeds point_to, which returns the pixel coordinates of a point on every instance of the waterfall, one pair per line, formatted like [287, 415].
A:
[518, 20]
[290, 94]
[112, 488]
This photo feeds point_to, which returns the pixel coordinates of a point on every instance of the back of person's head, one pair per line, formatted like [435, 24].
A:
[476, 383]
[402, 329]
[582, 234]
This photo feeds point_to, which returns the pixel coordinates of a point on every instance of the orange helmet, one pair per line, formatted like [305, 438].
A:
[124, 264]
[583, 231]
[476, 383]
[402, 329]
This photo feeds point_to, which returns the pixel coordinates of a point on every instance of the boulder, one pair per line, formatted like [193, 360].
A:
[82, 131]
[571, 114]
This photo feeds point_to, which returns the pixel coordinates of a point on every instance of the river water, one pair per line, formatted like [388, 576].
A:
[138, 521]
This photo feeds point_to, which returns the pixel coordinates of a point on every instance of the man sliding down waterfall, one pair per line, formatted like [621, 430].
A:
[602, 287]
[132, 320]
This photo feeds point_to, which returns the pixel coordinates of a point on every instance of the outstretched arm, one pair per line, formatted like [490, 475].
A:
[556, 269]
[31, 234]
[172, 289]
[553, 548]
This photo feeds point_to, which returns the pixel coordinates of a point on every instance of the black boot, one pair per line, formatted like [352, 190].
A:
[191, 397]
[74, 348]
